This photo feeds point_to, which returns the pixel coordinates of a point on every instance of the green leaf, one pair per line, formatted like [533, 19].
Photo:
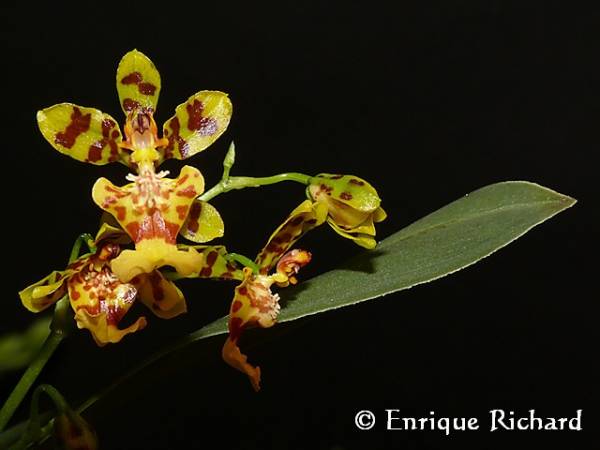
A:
[17, 350]
[454, 237]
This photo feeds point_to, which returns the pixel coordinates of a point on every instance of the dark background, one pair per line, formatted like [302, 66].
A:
[426, 100]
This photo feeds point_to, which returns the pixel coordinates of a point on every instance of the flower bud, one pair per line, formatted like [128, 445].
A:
[353, 206]
[72, 432]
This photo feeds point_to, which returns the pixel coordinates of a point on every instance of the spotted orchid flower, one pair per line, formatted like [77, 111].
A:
[97, 296]
[254, 304]
[353, 206]
[152, 208]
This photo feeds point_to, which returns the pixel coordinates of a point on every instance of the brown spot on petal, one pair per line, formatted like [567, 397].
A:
[147, 88]
[236, 306]
[121, 212]
[95, 152]
[181, 211]
[357, 182]
[130, 104]
[157, 290]
[79, 124]
[132, 78]
[189, 192]
[205, 126]
[346, 196]
[235, 328]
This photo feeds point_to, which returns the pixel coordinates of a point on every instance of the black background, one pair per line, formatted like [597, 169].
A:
[426, 100]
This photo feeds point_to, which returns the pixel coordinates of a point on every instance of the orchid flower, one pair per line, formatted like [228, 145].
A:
[254, 304]
[152, 209]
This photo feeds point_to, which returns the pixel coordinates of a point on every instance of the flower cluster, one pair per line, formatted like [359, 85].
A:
[132, 249]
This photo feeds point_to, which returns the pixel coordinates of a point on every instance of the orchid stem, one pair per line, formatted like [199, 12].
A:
[29, 377]
[244, 182]
[60, 327]
[243, 260]
[228, 183]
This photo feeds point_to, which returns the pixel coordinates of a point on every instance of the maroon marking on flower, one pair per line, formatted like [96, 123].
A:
[157, 290]
[235, 328]
[205, 126]
[346, 196]
[189, 192]
[195, 211]
[95, 152]
[147, 88]
[296, 221]
[121, 213]
[182, 180]
[211, 259]
[132, 78]
[357, 182]
[181, 211]
[109, 136]
[175, 137]
[130, 104]
[79, 124]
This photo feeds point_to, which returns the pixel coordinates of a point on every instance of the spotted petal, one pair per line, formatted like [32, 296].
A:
[85, 134]
[160, 295]
[253, 304]
[305, 217]
[214, 263]
[347, 189]
[362, 235]
[152, 210]
[100, 301]
[203, 223]
[45, 292]
[197, 123]
[138, 82]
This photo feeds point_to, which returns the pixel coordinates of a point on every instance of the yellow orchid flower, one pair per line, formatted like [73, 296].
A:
[353, 206]
[152, 209]
[97, 296]
[253, 303]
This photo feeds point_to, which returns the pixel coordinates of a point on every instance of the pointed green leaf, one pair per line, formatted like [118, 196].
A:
[452, 238]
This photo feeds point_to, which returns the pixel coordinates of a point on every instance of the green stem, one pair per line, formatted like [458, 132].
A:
[61, 324]
[230, 183]
[243, 260]
[82, 238]
[29, 377]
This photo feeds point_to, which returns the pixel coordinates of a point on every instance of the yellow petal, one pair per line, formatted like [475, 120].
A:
[150, 254]
[197, 123]
[214, 263]
[45, 292]
[152, 210]
[152, 207]
[233, 356]
[364, 240]
[160, 295]
[85, 134]
[102, 331]
[305, 217]
[203, 223]
[100, 301]
[350, 190]
[138, 82]
[379, 215]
